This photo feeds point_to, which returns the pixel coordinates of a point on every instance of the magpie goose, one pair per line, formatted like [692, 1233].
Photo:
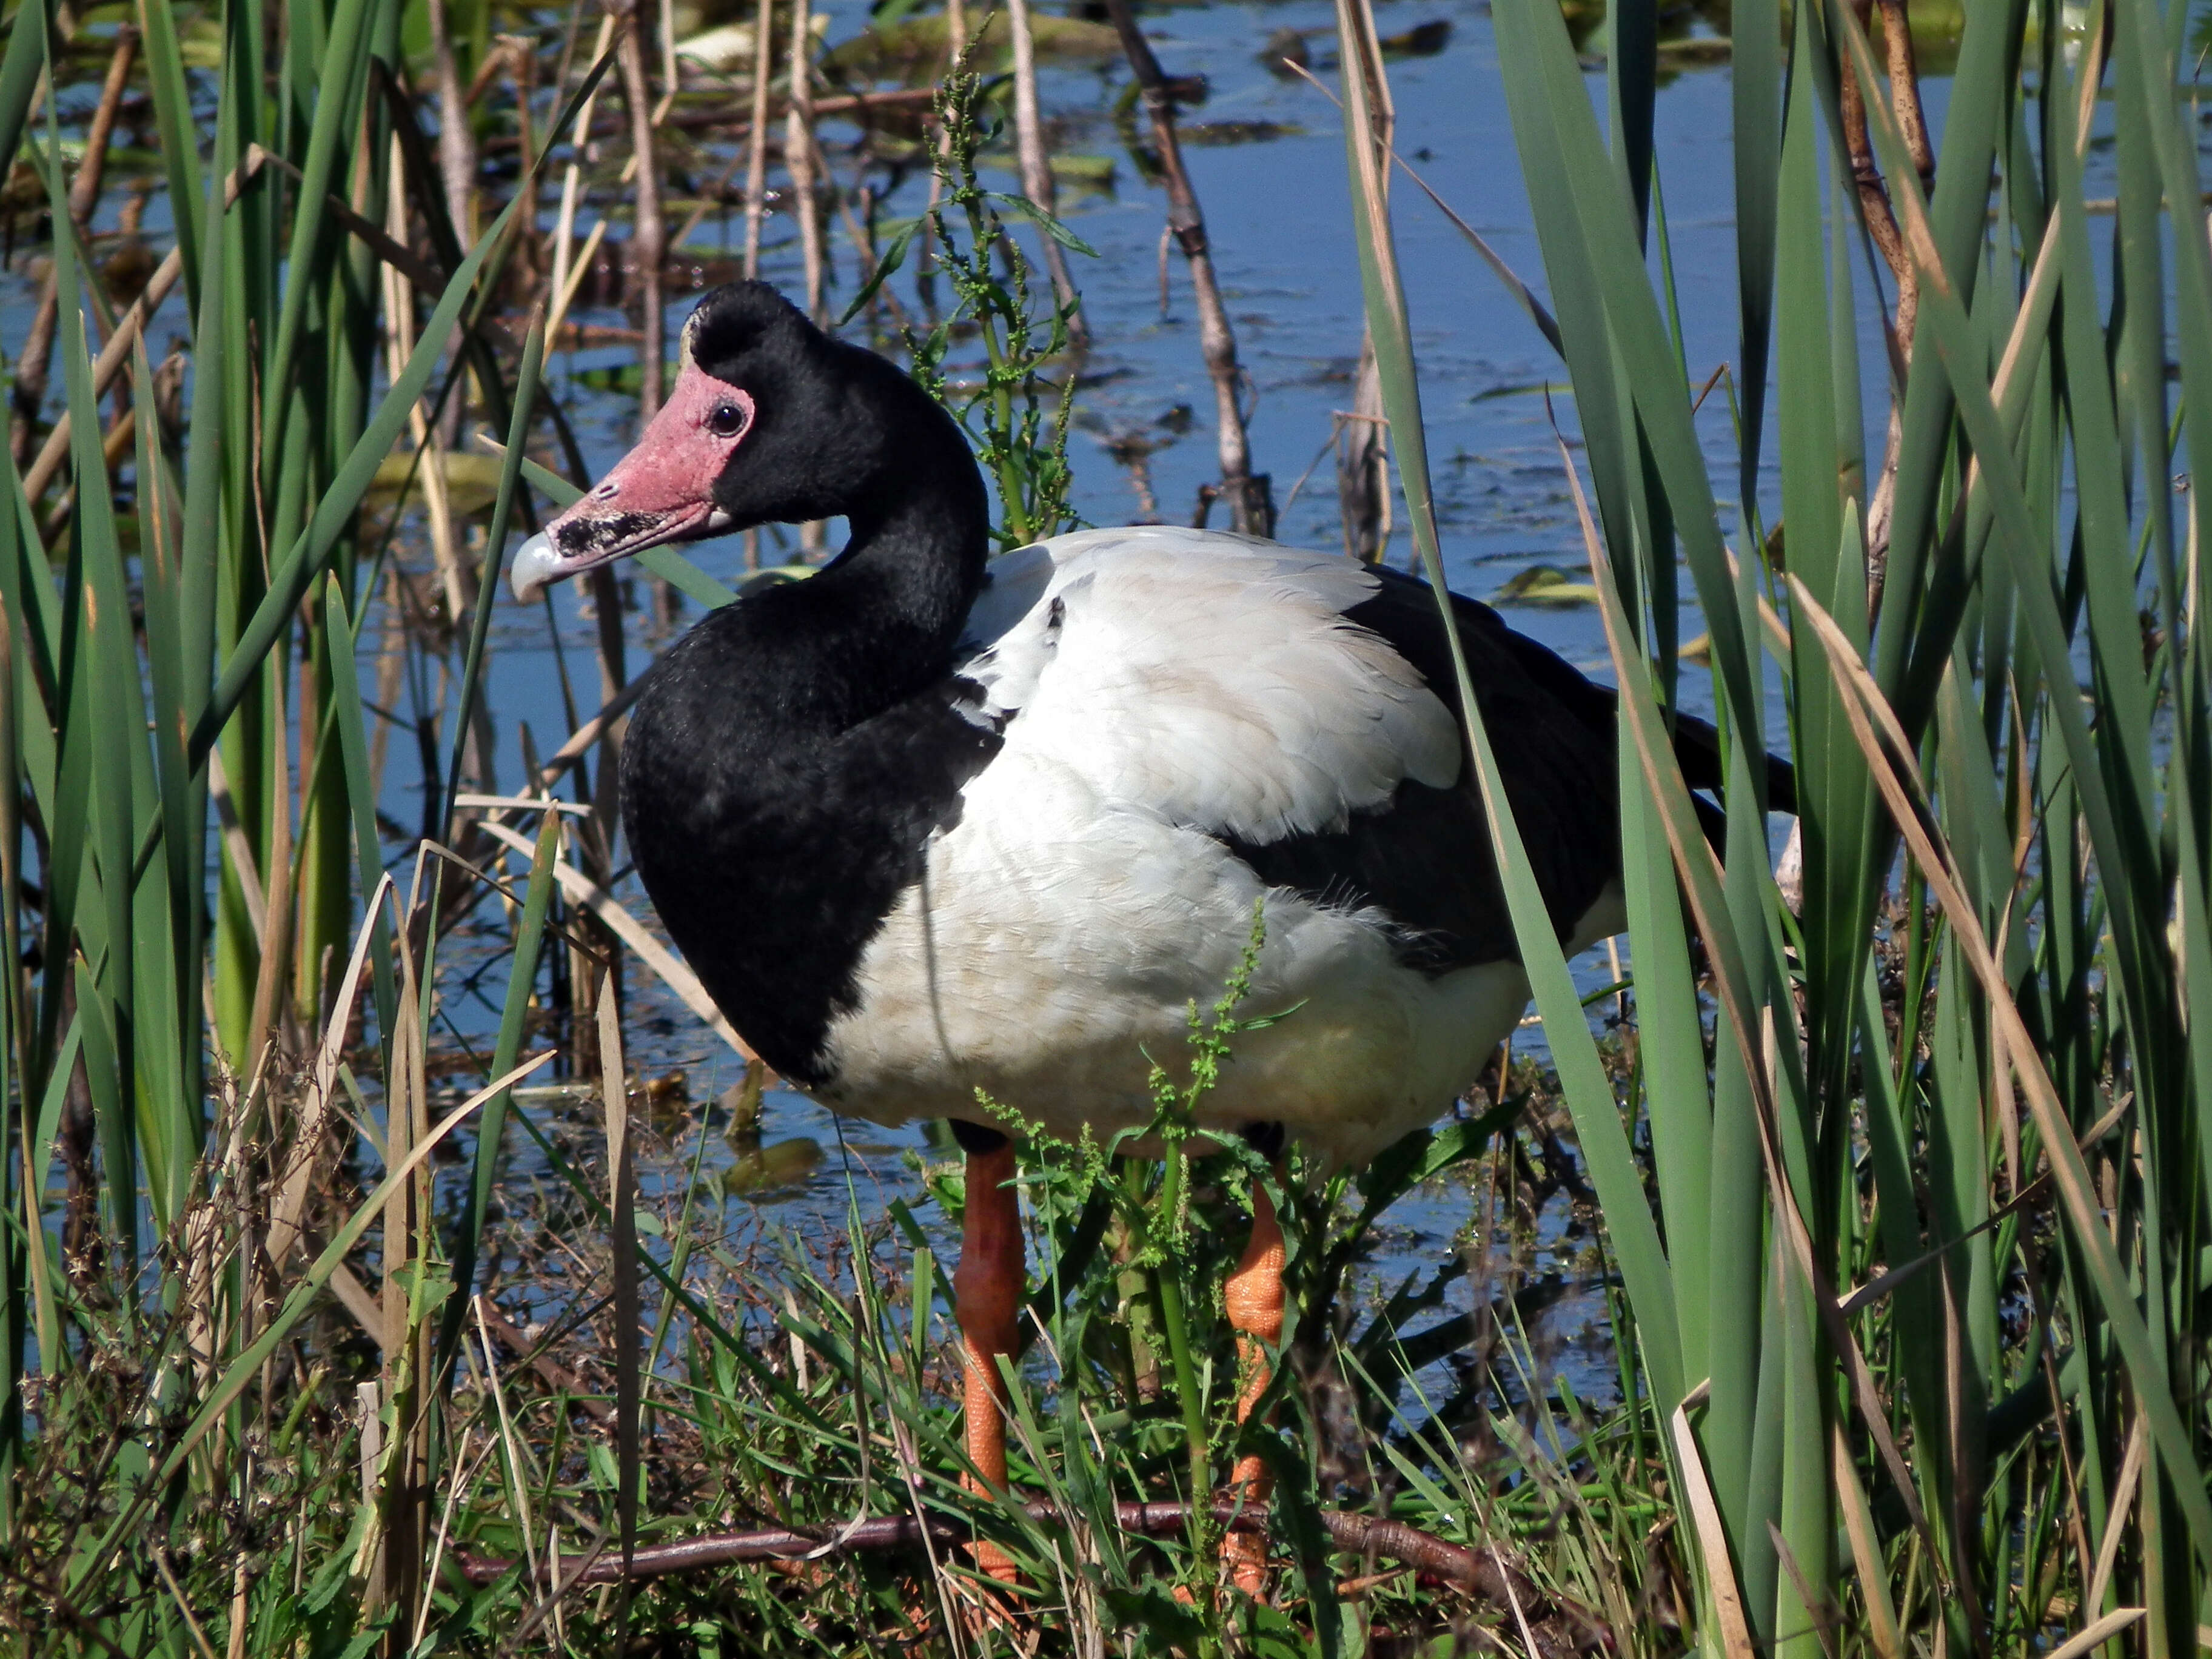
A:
[929, 822]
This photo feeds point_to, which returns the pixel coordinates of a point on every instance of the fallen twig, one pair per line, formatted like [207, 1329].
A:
[1485, 1573]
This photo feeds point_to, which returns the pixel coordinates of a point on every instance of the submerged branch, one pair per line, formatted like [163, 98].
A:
[1251, 505]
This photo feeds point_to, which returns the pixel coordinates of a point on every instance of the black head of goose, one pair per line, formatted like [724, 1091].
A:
[924, 825]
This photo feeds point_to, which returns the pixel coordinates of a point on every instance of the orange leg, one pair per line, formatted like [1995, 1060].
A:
[1254, 1300]
[987, 1289]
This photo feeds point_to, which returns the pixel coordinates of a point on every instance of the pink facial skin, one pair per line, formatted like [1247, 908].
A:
[663, 489]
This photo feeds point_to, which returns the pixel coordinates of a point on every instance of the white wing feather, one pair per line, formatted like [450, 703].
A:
[1206, 678]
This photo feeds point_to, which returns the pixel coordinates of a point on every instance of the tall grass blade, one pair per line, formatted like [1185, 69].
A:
[19, 69]
[1888, 758]
[488, 582]
[522, 977]
[1590, 1095]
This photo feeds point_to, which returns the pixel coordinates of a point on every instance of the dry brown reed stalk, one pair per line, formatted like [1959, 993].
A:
[265, 1030]
[115, 350]
[756, 136]
[564, 227]
[429, 441]
[1880, 218]
[925, 255]
[457, 170]
[457, 149]
[1905, 90]
[649, 237]
[1251, 505]
[1036, 169]
[799, 147]
[409, 1247]
[33, 362]
[1362, 473]
[649, 251]
[1874, 204]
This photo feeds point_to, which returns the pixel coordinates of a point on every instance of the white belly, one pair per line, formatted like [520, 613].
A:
[1051, 954]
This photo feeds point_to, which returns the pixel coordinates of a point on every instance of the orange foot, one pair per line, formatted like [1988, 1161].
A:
[1254, 1298]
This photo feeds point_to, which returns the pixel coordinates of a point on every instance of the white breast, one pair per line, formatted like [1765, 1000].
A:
[1168, 689]
[1053, 951]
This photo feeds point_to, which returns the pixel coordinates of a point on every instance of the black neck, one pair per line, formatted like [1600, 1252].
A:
[912, 568]
[794, 753]
[888, 610]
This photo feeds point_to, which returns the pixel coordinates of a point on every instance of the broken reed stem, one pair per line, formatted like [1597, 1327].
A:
[1036, 170]
[564, 229]
[757, 140]
[31, 366]
[1251, 506]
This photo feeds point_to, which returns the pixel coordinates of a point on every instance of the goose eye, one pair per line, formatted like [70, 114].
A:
[726, 421]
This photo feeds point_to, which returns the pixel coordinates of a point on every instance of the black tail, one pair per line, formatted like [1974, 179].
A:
[1697, 750]
[1404, 612]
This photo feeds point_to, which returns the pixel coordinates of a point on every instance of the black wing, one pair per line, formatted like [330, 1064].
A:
[1425, 858]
